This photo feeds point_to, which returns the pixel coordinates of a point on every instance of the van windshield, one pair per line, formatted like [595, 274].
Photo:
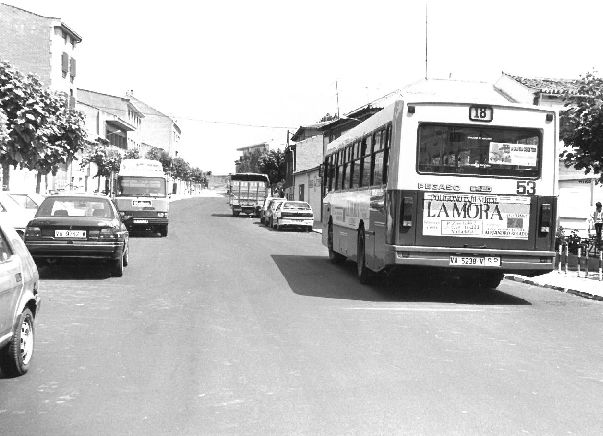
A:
[479, 150]
[140, 186]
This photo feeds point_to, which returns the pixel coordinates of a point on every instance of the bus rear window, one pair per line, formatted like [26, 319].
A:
[482, 151]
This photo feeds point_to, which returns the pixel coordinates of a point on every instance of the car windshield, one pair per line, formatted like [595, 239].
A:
[75, 207]
[482, 151]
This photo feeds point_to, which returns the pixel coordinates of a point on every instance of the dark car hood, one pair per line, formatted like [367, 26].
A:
[79, 221]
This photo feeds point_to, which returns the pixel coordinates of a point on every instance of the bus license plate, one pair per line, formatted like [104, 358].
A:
[474, 261]
[69, 233]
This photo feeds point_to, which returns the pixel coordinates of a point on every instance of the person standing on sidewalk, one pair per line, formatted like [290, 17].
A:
[597, 218]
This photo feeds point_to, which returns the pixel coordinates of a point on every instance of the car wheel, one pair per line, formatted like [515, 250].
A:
[117, 267]
[278, 227]
[271, 223]
[126, 255]
[362, 271]
[334, 257]
[262, 220]
[163, 231]
[16, 356]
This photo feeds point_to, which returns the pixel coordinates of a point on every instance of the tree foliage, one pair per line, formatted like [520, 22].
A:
[250, 162]
[180, 169]
[273, 164]
[582, 126]
[3, 128]
[106, 158]
[159, 154]
[43, 132]
[132, 153]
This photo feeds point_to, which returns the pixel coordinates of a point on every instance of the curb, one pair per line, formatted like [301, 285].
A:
[529, 281]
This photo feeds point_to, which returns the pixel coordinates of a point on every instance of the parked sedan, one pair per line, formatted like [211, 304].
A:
[27, 200]
[19, 303]
[293, 214]
[264, 208]
[79, 226]
[268, 221]
[14, 214]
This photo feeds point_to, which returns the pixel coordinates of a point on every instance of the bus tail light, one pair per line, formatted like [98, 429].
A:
[545, 218]
[406, 209]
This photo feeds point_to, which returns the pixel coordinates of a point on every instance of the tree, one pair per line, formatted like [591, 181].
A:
[107, 159]
[196, 175]
[582, 126]
[43, 132]
[180, 169]
[132, 153]
[4, 137]
[273, 164]
[159, 154]
[249, 163]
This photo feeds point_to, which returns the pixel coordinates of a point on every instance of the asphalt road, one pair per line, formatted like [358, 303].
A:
[227, 327]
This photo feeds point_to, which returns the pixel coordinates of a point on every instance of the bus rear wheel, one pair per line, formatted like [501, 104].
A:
[490, 279]
[363, 273]
[478, 280]
[334, 257]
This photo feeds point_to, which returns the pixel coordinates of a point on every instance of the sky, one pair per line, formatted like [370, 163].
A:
[237, 73]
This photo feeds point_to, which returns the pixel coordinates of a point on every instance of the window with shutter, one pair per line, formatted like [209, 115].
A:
[72, 67]
[65, 63]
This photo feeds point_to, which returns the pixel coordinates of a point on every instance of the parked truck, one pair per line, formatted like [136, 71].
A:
[247, 193]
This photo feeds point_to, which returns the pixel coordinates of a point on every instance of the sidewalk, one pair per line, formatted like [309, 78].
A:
[569, 283]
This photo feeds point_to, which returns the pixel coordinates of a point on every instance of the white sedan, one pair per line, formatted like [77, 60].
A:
[293, 214]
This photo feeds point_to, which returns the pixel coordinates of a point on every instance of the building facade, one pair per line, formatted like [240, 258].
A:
[43, 46]
[113, 118]
[157, 129]
[47, 48]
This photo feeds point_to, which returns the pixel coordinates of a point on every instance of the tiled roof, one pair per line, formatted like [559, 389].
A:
[548, 85]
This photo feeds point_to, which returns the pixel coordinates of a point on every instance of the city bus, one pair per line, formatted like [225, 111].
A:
[141, 195]
[248, 192]
[469, 189]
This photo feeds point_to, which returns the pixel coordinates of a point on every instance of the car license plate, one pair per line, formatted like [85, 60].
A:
[70, 233]
[474, 261]
[141, 221]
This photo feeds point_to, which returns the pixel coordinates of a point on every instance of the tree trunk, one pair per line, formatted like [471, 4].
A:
[5, 175]
[38, 181]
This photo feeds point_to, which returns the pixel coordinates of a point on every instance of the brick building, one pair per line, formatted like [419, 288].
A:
[44, 46]
[47, 48]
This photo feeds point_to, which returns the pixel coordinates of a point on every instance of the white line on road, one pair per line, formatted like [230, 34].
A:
[415, 309]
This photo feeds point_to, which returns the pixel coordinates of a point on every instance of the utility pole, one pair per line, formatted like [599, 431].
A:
[426, 39]
[337, 95]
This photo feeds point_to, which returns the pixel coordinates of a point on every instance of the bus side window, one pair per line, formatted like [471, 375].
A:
[339, 170]
[388, 137]
[357, 164]
[345, 178]
[377, 158]
[367, 171]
